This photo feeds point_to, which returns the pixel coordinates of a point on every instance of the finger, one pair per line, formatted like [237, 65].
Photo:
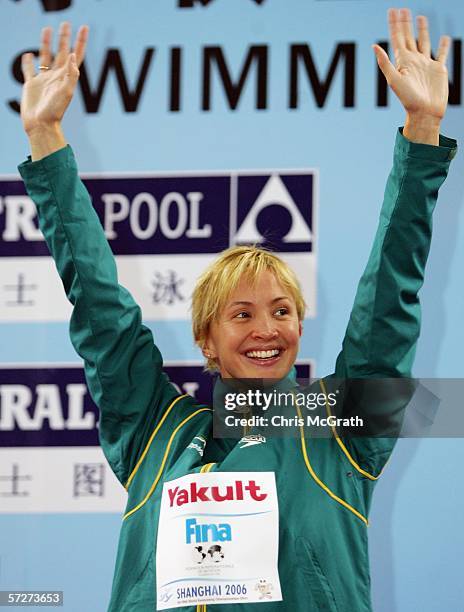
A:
[63, 44]
[27, 66]
[45, 54]
[69, 75]
[443, 49]
[385, 65]
[81, 43]
[396, 35]
[405, 19]
[423, 35]
[71, 69]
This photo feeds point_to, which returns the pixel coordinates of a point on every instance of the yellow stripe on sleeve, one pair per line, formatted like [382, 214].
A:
[166, 453]
[145, 451]
[340, 442]
[319, 481]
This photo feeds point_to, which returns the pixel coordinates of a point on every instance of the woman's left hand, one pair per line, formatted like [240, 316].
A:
[420, 82]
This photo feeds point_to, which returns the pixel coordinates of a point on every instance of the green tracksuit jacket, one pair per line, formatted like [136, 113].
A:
[146, 429]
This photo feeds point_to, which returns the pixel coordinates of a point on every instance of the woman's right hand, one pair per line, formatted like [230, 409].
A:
[46, 95]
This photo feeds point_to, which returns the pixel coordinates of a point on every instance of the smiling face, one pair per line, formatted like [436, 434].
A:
[257, 333]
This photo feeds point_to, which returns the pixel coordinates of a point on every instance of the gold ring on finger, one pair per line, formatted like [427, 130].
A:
[44, 67]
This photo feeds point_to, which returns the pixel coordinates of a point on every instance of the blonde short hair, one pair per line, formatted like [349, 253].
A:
[217, 282]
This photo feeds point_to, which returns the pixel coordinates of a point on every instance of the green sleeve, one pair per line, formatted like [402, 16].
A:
[385, 320]
[122, 364]
[384, 325]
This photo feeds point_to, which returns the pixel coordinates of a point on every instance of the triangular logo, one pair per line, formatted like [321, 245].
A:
[274, 192]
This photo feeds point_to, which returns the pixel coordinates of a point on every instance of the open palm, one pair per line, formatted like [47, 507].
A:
[47, 95]
[420, 82]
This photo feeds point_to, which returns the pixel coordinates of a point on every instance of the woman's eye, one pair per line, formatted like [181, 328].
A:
[282, 311]
[241, 315]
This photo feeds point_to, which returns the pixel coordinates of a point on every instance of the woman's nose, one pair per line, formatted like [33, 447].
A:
[265, 328]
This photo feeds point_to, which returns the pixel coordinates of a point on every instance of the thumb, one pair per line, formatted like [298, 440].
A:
[384, 63]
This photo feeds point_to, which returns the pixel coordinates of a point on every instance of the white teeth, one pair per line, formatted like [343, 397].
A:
[263, 354]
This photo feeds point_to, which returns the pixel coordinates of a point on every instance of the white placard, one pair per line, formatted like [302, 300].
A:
[210, 527]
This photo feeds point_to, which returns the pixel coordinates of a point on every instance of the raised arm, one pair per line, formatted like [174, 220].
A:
[385, 320]
[384, 325]
[122, 364]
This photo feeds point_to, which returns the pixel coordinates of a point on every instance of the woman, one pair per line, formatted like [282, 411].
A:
[271, 524]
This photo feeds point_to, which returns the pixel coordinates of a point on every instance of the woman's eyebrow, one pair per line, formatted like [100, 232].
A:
[245, 303]
[281, 297]
[239, 303]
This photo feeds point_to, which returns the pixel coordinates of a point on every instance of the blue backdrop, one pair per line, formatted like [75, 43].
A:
[158, 111]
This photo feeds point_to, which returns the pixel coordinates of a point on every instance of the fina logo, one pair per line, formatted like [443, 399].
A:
[278, 211]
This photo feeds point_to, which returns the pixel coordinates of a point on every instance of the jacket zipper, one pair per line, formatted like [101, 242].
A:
[204, 469]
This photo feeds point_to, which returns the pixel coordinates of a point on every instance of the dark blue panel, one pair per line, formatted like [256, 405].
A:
[183, 214]
[274, 221]
[29, 430]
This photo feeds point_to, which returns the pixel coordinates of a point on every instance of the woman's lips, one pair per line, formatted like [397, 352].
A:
[269, 361]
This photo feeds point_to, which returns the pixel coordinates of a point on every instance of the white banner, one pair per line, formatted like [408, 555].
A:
[161, 284]
[72, 479]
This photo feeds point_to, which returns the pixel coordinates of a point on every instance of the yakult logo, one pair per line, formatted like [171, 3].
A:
[239, 490]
